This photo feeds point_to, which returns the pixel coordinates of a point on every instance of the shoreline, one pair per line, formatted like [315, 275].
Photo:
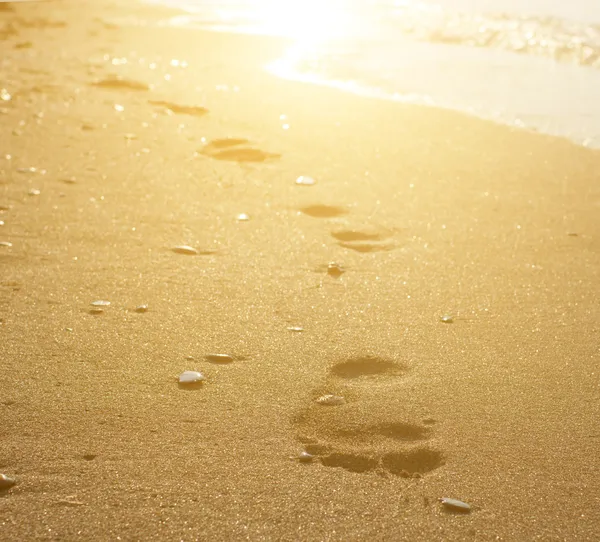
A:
[428, 212]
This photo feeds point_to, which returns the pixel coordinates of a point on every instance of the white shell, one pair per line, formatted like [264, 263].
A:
[447, 319]
[100, 303]
[305, 457]
[185, 249]
[331, 400]
[296, 329]
[190, 377]
[242, 217]
[5, 244]
[219, 358]
[305, 181]
[455, 504]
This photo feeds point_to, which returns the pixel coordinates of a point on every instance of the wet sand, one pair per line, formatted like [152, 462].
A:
[428, 214]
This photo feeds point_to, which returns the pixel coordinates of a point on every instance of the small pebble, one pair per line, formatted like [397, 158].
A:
[5, 244]
[305, 181]
[69, 329]
[447, 319]
[242, 217]
[189, 378]
[1, 222]
[185, 249]
[100, 303]
[6, 482]
[219, 358]
[456, 505]
[331, 400]
[335, 270]
[141, 308]
[96, 310]
[34, 192]
[296, 329]
[305, 457]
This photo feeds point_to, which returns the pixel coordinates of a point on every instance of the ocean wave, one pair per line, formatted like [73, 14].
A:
[551, 37]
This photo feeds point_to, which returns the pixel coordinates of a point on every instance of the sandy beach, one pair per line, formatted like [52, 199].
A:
[119, 143]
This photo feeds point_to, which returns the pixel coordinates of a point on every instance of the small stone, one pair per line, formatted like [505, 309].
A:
[305, 457]
[34, 192]
[69, 329]
[5, 95]
[190, 378]
[447, 319]
[5, 244]
[305, 181]
[100, 303]
[456, 505]
[296, 329]
[242, 217]
[6, 482]
[219, 358]
[1, 222]
[96, 310]
[185, 249]
[331, 400]
[70, 180]
[141, 308]
[335, 270]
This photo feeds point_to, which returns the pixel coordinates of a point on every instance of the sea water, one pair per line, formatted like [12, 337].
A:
[533, 64]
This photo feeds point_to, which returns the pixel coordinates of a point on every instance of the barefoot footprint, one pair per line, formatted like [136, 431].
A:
[366, 240]
[363, 434]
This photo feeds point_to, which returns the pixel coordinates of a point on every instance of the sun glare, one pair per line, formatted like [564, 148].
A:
[310, 20]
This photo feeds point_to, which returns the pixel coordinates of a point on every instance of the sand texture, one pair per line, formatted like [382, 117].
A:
[144, 140]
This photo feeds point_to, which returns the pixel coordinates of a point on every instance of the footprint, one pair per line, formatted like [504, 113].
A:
[193, 110]
[363, 434]
[116, 82]
[364, 241]
[236, 150]
[323, 211]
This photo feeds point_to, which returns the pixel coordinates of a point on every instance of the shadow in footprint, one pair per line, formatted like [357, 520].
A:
[402, 431]
[351, 235]
[366, 366]
[323, 211]
[120, 83]
[193, 110]
[236, 150]
[351, 462]
[421, 460]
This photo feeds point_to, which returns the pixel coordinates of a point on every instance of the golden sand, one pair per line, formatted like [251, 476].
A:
[425, 212]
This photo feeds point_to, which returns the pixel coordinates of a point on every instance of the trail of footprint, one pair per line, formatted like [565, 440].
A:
[364, 241]
[338, 437]
[236, 150]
